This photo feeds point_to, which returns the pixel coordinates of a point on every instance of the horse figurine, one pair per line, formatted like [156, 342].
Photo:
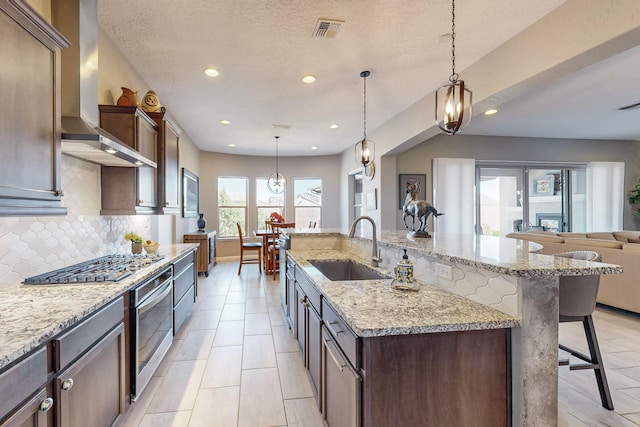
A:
[415, 208]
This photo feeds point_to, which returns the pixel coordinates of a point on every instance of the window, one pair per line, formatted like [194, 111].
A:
[232, 206]
[267, 202]
[307, 201]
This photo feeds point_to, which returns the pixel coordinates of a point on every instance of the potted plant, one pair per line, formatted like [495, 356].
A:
[136, 242]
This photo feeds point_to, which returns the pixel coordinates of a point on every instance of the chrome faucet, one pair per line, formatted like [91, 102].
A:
[375, 256]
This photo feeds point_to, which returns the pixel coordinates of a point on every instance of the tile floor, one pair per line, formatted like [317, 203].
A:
[235, 363]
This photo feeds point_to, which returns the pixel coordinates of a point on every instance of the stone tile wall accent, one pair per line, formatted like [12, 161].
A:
[35, 245]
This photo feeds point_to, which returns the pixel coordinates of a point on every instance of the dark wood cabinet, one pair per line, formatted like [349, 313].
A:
[129, 191]
[89, 359]
[26, 400]
[168, 164]
[30, 179]
[207, 250]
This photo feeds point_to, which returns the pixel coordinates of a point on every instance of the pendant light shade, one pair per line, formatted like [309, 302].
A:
[277, 181]
[365, 149]
[454, 100]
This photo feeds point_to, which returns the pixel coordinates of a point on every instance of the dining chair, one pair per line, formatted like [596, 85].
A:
[273, 249]
[577, 301]
[249, 246]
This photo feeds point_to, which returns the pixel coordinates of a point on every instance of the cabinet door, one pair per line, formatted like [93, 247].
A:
[147, 139]
[91, 391]
[291, 289]
[34, 413]
[314, 353]
[301, 322]
[171, 168]
[30, 182]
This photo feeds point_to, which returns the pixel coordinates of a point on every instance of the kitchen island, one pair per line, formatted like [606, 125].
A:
[500, 273]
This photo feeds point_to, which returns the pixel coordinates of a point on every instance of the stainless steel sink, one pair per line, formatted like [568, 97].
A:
[338, 270]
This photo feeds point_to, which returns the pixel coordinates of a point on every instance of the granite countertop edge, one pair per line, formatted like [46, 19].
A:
[21, 333]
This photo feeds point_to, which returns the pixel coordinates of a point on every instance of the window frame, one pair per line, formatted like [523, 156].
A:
[259, 222]
[221, 207]
[294, 194]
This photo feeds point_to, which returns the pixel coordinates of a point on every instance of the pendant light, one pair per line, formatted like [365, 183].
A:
[277, 181]
[453, 100]
[365, 149]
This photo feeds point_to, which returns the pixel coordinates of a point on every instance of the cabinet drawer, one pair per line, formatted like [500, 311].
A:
[313, 295]
[291, 268]
[22, 380]
[183, 262]
[182, 282]
[183, 309]
[68, 346]
[344, 336]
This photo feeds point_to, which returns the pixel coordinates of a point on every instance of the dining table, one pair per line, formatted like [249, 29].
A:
[266, 234]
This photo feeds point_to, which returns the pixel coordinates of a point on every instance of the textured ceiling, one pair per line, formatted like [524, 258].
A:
[263, 48]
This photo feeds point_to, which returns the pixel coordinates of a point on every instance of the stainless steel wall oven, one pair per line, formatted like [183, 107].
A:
[152, 327]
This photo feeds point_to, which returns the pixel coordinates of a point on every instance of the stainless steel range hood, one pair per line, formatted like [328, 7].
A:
[81, 137]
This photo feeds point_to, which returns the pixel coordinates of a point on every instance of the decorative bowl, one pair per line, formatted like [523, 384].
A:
[151, 248]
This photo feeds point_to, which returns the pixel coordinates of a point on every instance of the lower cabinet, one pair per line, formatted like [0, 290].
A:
[308, 327]
[89, 383]
[185, 278]
[26, 401]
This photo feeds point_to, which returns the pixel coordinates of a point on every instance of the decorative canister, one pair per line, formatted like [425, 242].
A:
[202, 222]
[128, 98]
[404, 275]
[136, 248]
[150, 103]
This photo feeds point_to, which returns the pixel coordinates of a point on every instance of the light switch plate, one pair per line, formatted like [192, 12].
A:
[444, 271]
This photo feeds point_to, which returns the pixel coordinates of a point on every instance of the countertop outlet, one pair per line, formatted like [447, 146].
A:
[444, 271]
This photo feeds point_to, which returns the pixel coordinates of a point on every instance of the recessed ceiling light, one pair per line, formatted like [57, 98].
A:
[314, 148]
[232, 145]
[334, 126]
[225, 122]
[490, 112]
[211, 72]
[111, 150]
[309, 78]
[139, 163]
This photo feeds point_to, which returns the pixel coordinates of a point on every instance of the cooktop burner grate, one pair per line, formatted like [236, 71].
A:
[109, 268]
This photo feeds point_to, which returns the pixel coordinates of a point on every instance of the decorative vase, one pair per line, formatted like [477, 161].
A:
[136, 248]
[202, 223]
[150, 103]
[128, 98]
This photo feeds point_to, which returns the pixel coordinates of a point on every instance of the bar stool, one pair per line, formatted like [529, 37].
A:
[577, 301]
[249, 246]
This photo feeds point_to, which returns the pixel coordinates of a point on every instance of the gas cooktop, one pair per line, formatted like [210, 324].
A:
[110, 268]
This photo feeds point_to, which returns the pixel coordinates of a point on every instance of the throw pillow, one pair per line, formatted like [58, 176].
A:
[633, 240]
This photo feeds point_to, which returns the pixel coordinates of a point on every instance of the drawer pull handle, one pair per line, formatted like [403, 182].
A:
[337, 332]
[67, 384]
[46, 404]
[340, 365]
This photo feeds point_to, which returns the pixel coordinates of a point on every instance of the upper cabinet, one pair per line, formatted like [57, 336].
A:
[30, 182]
[129, 191]
[168, 166]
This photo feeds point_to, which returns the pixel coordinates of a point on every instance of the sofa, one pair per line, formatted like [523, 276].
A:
[617, 247]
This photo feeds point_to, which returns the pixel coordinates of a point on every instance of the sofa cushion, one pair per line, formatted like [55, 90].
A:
[595, 243]
[536, 237]
[624, 236]
[576, 235]
[631, 247]
[632, 240]
[605, 235]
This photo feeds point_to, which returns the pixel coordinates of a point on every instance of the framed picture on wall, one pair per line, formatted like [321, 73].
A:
[190, 194]
[408, 180]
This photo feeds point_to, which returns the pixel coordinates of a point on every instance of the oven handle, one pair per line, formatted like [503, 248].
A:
[152, 301]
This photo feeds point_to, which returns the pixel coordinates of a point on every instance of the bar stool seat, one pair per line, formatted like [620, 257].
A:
[577, 301]
[249, 246]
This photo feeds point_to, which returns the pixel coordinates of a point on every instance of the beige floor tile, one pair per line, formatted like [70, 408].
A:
[293, 376]
[258, 352]
[302, 413]
[167, 419]
[216, 407]
[237, 297]
[205, 319]
[276, 316]
[255, 293]
[232, 312]
[138, 409]
[229, 333]
[223, 367]
[256, 305]
[179, 387]
[257, 324]
[214, 302]
[196, 345]
[168, 358]
[219, 290]
[635, 418]
[261, 399]
[283, 340]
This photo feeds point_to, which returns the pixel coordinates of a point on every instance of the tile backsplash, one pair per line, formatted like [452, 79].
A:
[35, 245]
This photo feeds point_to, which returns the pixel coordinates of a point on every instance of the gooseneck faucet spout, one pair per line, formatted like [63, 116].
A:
[375, 257]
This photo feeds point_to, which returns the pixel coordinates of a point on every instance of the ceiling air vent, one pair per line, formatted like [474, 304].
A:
[630, 107]
[285, 127]
[327, 28]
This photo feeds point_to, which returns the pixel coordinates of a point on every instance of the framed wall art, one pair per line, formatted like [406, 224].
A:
[405, 181]
[190, 194]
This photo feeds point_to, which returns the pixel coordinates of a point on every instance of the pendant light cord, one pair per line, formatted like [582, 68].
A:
[277, 173]
[454, 76]
[364, 124]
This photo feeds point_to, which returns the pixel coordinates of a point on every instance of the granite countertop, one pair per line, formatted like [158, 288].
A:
[31, 315]
[372, 308]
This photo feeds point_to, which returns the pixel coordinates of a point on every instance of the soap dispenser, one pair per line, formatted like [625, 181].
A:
[404, 275]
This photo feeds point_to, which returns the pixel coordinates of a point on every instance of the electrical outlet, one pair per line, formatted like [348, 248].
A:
[444, 271]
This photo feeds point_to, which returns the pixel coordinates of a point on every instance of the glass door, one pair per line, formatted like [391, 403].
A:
[500, 207]
[547, 201]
